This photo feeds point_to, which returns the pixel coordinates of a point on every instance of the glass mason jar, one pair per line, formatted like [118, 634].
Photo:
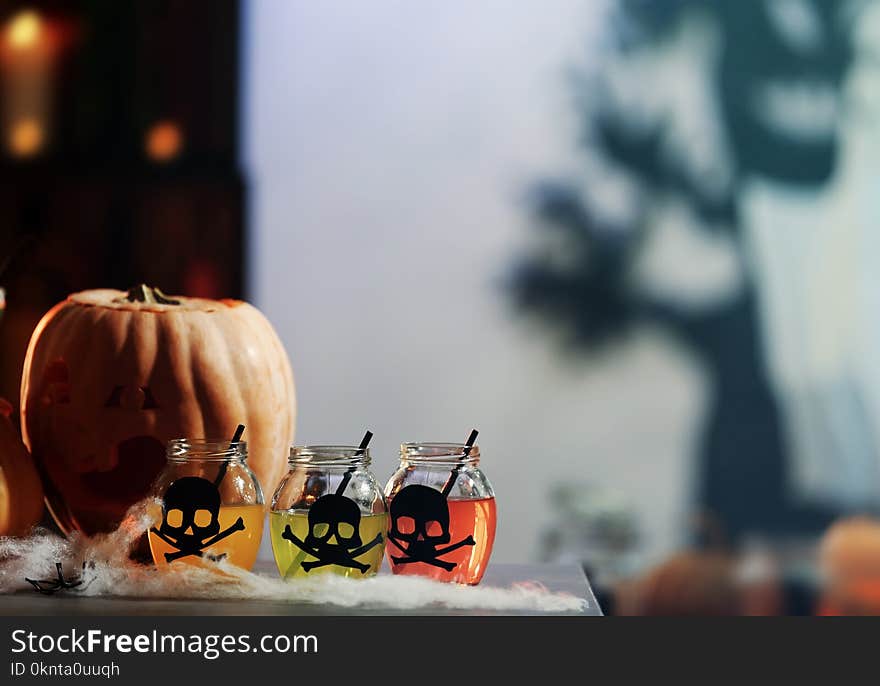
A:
[328, 514]
[212, 505]
[442, 510]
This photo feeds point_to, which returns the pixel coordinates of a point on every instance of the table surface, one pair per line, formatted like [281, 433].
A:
[557, 578]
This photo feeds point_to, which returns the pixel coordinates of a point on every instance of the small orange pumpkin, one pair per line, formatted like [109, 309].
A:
[690, 583]
[110, 377]
[849, 560]
[21, 493]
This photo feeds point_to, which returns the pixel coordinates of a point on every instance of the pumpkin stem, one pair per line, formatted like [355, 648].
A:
[145, 294]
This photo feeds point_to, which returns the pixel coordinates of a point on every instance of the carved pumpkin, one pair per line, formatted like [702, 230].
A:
[21, 494]
[110, 377]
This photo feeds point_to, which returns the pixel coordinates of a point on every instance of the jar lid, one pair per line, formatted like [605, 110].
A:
[329, 455]
[206, 449]
[440, 453]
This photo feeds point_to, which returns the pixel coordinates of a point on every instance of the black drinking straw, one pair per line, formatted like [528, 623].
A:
[236, 437]
[453, 477]
[347, 476]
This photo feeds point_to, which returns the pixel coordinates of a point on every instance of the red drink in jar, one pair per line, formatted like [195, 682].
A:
[443, 513]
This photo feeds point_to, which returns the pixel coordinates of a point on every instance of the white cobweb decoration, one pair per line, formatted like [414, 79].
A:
[106, 570]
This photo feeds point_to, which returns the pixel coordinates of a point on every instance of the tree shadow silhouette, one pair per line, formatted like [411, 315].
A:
[580, 275]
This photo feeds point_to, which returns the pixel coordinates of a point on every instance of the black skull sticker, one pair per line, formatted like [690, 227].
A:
[419, 524]
[334, 534]
[190, 518]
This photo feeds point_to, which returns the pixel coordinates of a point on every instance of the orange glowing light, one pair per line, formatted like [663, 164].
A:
[25, 138]
[164, 141]
[24, 29]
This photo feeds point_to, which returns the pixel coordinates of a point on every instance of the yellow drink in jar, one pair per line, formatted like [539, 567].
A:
[346, 552]
[237, 537]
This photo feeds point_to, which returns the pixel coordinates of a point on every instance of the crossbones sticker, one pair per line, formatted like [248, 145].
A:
[190, 518]
[419, 524]
[334, 535]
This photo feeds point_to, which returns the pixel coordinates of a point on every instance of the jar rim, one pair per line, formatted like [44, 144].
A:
[439, 453]
[205, 449]
[329, 455]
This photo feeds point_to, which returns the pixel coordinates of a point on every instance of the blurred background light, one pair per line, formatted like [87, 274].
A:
[23, 29]
[163, 141]
[25, 138]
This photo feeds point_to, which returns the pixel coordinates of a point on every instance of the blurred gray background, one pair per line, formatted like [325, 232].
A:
[716, 164]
